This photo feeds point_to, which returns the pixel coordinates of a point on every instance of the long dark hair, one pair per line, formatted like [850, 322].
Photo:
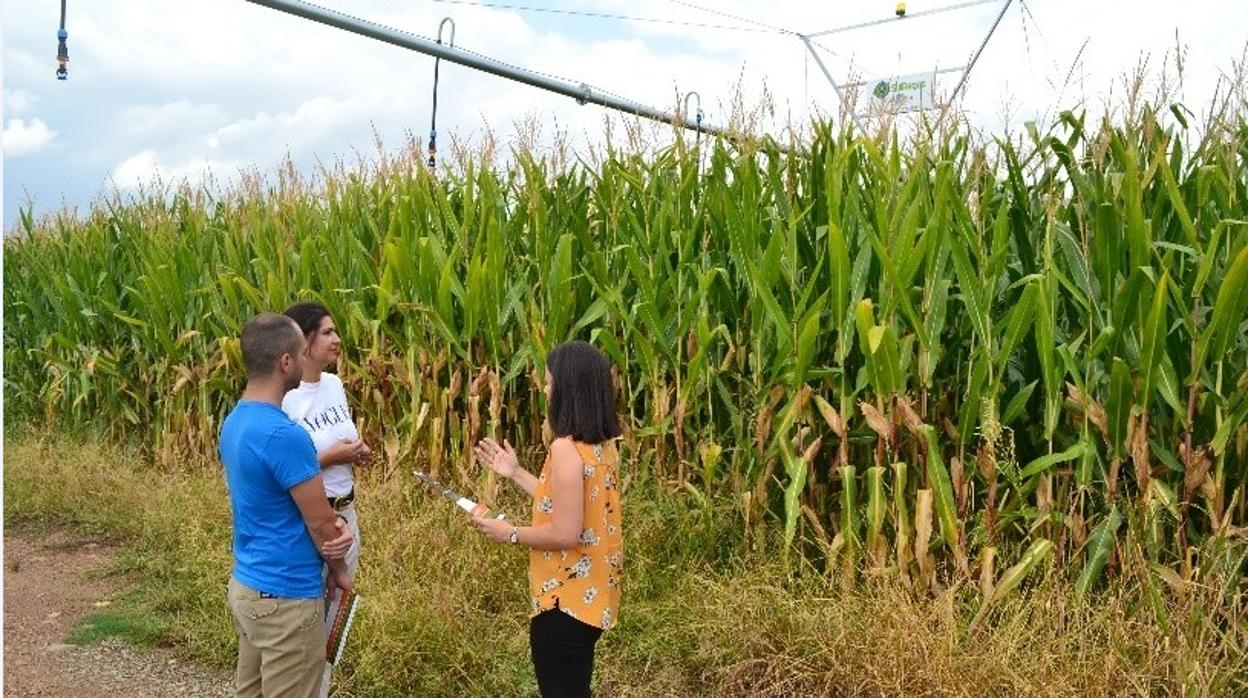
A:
[307, 316]
[582, 396]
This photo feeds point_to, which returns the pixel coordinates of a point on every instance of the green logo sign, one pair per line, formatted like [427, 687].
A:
[885, 88]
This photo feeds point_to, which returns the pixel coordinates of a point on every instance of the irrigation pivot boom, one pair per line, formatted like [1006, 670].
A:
[582, 93]
[901, 16]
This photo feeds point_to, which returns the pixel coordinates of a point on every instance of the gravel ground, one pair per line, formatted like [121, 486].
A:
[52, 580]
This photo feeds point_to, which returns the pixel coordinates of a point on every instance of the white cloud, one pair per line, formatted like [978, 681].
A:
[185, 88]
[18, 102]
[173, 118]
[310, 121]
[147, 169]
[26, 138]
[135, 170]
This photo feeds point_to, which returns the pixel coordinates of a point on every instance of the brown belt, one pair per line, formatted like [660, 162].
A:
[340, 503]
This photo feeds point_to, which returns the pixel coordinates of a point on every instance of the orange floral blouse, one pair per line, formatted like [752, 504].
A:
[584, 581]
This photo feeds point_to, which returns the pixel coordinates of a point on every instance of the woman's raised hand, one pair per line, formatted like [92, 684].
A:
[343, 452]
[501, 459]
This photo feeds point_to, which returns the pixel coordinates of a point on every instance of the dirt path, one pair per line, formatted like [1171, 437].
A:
[51, 581]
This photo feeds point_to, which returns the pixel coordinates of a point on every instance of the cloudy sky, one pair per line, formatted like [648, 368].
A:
[180, 88]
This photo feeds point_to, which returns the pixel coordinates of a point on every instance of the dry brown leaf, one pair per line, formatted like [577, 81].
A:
[832, 417]
[481, 381]
[910, 418]
[1197, 471]
[1093, 409]
[1137, 444]
[986, 459]
[877, 421]
[812, 450]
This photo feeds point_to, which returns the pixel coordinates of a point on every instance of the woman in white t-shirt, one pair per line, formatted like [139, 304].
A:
[319, 405]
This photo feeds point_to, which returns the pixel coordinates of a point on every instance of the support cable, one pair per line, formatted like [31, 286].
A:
[747, 20]
[903, 17]
[606, 15]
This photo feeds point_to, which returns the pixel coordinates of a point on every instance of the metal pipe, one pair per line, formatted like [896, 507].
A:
[582, 93]
[836, 88]
[979, 50]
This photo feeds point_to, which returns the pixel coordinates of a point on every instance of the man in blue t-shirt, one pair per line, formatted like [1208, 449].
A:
[285, 532]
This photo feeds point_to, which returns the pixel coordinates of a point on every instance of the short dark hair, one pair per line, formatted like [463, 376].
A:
[582, 396]
[308, 316]
[266, 337]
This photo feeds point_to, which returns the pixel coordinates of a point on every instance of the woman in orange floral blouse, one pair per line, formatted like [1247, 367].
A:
[575, 542]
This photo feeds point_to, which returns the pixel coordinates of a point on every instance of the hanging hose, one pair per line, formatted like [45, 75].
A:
[433, 120]
[697, 142]
[62, 51]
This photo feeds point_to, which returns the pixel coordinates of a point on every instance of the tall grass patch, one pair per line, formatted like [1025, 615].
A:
[444, 612]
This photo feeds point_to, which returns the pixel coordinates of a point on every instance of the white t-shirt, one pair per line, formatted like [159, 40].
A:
[321, 409]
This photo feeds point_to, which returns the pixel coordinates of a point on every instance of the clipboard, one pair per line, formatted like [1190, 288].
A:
[336, 639]
[462, 502]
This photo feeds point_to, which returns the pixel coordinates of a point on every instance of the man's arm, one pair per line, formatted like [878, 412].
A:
[319, 517]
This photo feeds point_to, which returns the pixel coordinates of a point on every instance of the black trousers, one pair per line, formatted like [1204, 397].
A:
[563, 654]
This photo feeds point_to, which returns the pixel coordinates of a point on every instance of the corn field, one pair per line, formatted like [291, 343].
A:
[896, 355]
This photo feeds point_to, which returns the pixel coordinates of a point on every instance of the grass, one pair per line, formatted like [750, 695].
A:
[444, 612]
[135, 624]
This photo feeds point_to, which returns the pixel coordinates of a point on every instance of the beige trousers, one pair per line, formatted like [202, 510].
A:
[281, 644]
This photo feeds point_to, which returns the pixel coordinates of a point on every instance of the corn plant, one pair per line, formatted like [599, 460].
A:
[941, 349]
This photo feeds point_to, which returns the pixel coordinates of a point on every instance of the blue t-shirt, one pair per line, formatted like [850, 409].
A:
[265, 454]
